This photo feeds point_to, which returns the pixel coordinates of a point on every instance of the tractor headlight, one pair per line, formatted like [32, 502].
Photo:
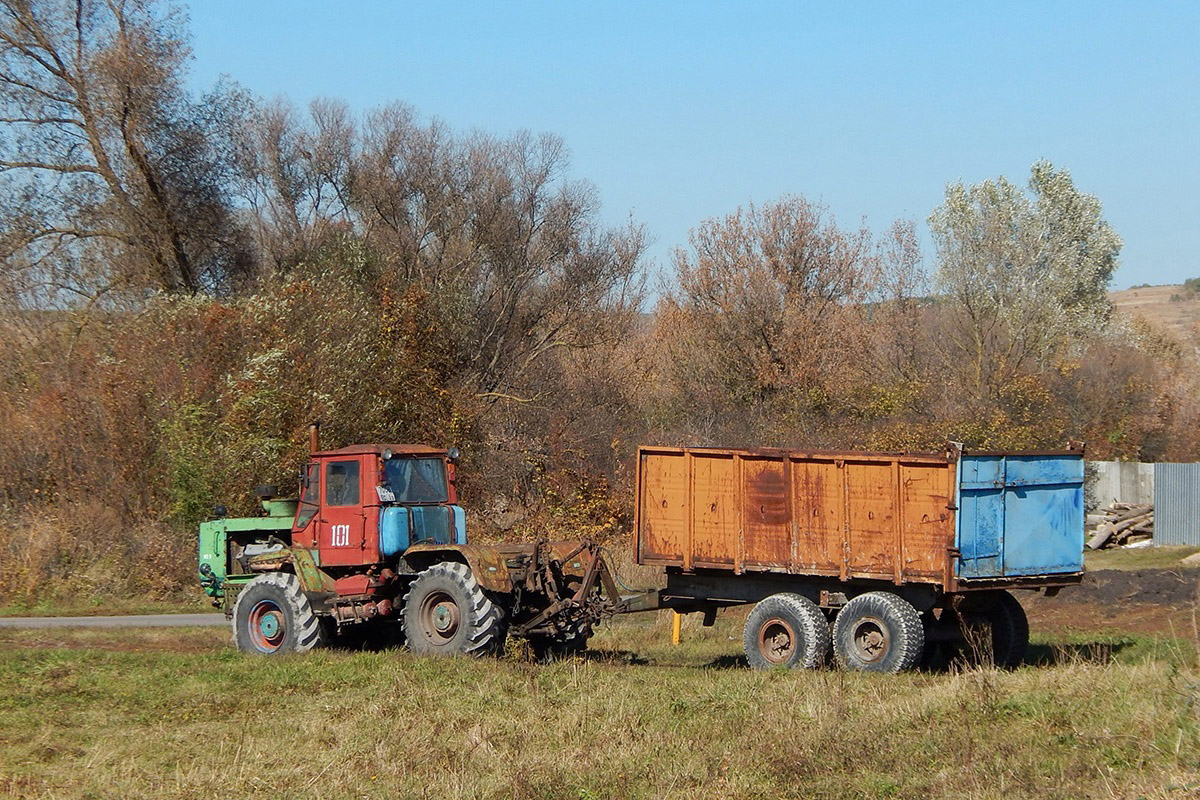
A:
[387, 453]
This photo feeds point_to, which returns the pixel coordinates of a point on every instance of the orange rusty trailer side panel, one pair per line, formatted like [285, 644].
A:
[852, 515]
[714, 507]
[663, 510]
[819, 513]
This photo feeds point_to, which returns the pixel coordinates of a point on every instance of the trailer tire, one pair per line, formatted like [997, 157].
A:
[786, 630]
[273, 616]
[878, 632]
[447, 613]
[1002, 615]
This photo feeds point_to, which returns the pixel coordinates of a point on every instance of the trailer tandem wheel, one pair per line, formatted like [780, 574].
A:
[878, 632]
[446, 612]
[786, 630]
[272, 615]
[995, 630]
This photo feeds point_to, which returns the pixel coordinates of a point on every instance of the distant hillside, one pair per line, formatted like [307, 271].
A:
[1153, 303]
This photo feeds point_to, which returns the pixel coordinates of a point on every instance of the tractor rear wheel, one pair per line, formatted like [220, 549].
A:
[272, 616]
[878, 632]
[447, 613]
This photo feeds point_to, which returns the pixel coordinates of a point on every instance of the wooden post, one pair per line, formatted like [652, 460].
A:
[676, 627]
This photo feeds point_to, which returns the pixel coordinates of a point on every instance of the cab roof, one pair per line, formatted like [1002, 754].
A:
[377, 449]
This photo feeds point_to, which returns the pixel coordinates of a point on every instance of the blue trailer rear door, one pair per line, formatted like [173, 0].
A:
[1019, 514]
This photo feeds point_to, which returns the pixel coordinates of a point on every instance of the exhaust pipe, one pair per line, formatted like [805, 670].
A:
[314, 436]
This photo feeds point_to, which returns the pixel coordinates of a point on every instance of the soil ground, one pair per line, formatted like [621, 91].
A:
[1150, 601]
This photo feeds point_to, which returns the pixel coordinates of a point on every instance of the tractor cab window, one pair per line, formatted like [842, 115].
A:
[310, 496]
[417, 480]
[341, 483]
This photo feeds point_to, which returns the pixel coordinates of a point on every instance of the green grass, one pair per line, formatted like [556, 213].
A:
[1141, 558]
[190, 603]
[178, 714]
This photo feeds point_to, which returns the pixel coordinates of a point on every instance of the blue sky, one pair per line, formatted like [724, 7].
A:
[678, 112]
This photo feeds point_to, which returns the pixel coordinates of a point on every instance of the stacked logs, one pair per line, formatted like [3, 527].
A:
[1121, 525]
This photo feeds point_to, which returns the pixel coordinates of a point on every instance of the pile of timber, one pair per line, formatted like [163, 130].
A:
[1121, 525]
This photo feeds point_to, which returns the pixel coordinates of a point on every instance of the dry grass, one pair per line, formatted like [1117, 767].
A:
[1141, 558]
[638, 718]
[1154, 304]
[76, 559]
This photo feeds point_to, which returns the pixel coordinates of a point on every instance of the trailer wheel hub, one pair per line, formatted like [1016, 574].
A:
[776, 641]
[871, 639]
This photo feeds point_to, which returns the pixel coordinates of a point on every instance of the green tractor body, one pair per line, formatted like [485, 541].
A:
[215, 579]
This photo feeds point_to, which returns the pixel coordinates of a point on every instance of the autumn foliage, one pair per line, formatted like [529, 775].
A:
[165, 350]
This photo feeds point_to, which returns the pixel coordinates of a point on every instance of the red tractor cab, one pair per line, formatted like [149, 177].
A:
[365, 504]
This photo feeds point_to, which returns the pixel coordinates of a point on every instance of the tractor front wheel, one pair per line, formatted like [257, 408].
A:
[272, 616]
[447, 613]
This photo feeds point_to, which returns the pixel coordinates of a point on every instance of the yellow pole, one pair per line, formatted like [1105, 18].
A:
[676, 626]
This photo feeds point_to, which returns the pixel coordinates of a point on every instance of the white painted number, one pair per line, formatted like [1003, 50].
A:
[340, 536]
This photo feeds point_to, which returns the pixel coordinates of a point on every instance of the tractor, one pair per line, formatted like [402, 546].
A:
[375, 548]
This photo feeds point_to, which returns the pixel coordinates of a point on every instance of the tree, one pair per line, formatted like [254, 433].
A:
[765, 318]
[116, 178]
[1026, 273]
[508, 249]
[901, 295]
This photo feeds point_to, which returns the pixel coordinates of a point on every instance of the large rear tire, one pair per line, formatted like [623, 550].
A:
[996, 630]
[786, 630]
[272, 616]
[878, 632]
[447, 613]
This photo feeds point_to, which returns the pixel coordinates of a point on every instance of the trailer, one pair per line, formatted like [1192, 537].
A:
[882, 559]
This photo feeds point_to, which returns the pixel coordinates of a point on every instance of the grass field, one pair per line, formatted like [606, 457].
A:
[190, 603]
[1154, 304]
[178, 714]
[1141, 558]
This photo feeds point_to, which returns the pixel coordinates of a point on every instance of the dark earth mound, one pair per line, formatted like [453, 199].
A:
[1162, 587]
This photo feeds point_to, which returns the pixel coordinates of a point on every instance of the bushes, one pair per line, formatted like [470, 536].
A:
[84, 554]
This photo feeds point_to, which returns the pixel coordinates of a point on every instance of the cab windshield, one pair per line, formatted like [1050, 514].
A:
[416, 480]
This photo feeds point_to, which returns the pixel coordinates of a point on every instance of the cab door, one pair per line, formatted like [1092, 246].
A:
[341, 522]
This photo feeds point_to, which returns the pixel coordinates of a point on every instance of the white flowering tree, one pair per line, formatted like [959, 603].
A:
[1026, 273]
